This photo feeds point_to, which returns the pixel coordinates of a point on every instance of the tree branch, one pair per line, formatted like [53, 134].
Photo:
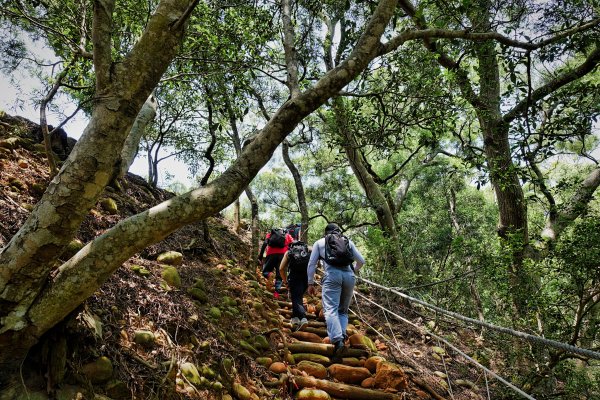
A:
[573, 208]
[102, 39]
[590, 63]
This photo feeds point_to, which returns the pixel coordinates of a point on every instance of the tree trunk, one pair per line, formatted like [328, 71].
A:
[254, 224]
[236, 216]
[31, 302]
[304, 218]
[130, 148]
[376, 197]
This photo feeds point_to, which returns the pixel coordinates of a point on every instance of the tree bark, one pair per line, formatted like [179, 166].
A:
[236, 216]
[130, 148]
[237, 144]
[304, 218]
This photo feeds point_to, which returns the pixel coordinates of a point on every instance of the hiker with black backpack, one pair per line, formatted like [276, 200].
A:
[276, 243]
[338, 254]
[293, 270]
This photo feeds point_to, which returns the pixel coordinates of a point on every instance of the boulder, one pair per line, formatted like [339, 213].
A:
[98, 371]
[390, 376]
[362, 342]
[372, 362]
[241, 392]
[307, 337]
[109, 205]
[72, 248]
[261, 342]
[214, 312]
[368, 383]
[170, 258]
[312, 394]
[264, 361]
[190, 372]
[317, 358]
[313, 369]
[141, 271]
[144, 338]
[278, 368]
[171, 276]
[198, 294]
[347, 374]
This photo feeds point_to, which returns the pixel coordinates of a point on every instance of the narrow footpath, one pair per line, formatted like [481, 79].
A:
[306, 372]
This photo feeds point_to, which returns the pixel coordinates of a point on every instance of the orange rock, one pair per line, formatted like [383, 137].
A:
[362, 342]
[313, 369]
[352, 361]
[368, 383]
[278, 367]
[307, 337]
[371, 363]
[390, 376]
[321, 316]
[346, 374]
[312, 394]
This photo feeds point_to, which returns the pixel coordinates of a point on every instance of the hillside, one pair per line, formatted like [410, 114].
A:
[203, 324]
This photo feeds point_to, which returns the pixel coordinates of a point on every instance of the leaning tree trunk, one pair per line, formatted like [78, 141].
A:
[130, 148]
[32, 301]
[121, 89]
[376, 197]
[237, 144]
[304, 219]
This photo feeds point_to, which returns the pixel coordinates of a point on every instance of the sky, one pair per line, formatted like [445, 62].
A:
[20, 100]
[20, 94]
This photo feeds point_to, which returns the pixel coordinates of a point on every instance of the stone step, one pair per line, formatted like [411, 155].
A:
[324, 349]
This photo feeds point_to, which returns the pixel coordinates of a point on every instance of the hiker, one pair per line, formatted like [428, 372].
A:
[293, 271]
[276, 243]
[294, 230]
[338, 254]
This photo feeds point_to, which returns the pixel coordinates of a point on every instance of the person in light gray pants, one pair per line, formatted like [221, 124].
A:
[338, 287]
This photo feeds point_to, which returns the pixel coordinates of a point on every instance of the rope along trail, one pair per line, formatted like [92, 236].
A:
[522, 335]
[510, 385]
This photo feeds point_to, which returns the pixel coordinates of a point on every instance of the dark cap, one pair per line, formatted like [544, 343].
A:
[332, 227]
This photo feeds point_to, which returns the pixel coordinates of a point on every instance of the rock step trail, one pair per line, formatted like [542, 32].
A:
[310, 372]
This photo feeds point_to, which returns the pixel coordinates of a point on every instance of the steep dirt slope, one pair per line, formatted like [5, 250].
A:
[190, 318]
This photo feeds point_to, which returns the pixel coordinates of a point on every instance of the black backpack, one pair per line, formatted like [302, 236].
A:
[277, 238]
[298, 256]
[337, 250]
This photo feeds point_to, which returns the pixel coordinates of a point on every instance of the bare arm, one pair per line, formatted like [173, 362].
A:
[283, 268]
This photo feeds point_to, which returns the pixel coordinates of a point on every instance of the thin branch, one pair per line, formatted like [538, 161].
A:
[590, 63]
[101, 38]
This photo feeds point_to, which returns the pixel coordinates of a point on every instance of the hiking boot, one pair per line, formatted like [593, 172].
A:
[303, 322]
[295, 323]
[338, 350]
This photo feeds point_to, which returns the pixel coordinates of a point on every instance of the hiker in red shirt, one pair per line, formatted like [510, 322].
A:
[276, 243]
